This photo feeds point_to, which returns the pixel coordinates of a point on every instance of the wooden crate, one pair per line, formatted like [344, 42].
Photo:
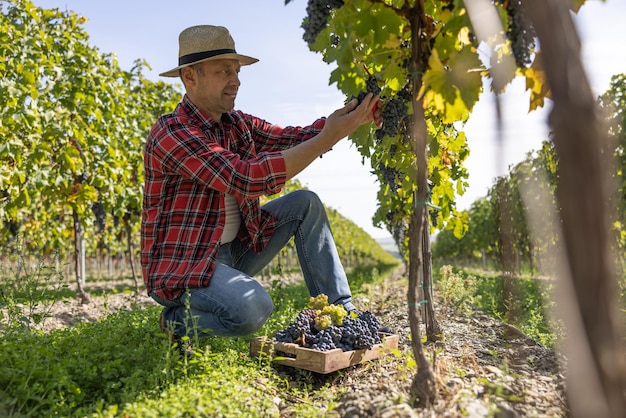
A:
[320, 361]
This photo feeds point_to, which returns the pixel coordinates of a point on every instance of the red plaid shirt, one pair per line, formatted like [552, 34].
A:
[190, 162]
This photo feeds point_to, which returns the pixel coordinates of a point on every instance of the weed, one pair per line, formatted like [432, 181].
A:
[27, 293]
[454, 289]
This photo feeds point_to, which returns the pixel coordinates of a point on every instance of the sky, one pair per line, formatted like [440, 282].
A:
[289, 85]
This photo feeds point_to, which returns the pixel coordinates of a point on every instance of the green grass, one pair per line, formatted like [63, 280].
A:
[522, 302]
[122, 366]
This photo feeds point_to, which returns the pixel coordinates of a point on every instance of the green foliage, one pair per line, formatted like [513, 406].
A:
[613, 103]
[524, 303]
[28, 293]
[499, 234]
[122, 366]
[455, 289]
[66, 370]
[71, 130]
[429, 57]
[528, 306]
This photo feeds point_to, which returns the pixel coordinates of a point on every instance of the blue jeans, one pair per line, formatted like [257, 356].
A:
[234, 303]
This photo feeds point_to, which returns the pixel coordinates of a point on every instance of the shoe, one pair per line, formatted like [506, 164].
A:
[183, 347]
[386, 330]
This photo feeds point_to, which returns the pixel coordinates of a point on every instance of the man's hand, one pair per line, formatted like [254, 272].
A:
[341, 123]
[377, 114]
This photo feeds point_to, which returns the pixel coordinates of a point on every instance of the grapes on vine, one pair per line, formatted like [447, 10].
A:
[395, 110]
[393, 149]
[389, 176]
[100, 214]
[82, 177]
[398, 227]
[434, 217]
[347, 331]
[13, 227]
[317, 14]
[520, 32]
[371, 86]
[395, 115]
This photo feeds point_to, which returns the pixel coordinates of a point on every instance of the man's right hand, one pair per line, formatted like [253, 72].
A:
[339, 124]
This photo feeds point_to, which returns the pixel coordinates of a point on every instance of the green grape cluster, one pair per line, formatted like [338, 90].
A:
[331, 315]
[318, 302]
[323, 322]
[326, 315]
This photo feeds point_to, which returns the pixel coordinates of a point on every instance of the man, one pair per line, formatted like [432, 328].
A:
[203, 233]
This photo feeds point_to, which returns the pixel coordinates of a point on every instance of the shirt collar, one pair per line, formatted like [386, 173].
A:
[205, 120]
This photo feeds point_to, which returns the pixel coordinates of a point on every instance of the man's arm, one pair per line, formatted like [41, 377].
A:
[341, 123]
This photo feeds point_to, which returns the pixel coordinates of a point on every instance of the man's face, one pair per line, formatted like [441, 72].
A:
[213, 85]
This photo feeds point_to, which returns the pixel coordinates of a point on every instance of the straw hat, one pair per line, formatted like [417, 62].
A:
[203, 43]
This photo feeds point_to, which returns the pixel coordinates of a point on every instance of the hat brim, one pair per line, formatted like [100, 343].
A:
[243, 60]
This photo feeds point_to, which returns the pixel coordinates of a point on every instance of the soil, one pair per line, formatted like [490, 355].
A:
[482, 367]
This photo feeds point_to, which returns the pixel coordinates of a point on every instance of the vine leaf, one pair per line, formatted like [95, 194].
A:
[452, 90]
[536, 84]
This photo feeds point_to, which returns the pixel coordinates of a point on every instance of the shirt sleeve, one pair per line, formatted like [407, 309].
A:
[269, 137]
[186, 150]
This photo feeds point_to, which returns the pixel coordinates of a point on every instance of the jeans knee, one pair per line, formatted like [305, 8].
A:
[254, 315]
[309, 199]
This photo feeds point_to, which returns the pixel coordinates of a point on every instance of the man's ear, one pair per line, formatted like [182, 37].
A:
[188, 75]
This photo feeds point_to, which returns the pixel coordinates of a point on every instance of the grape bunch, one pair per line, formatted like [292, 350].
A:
[434, 217]
[13, 227]
[395, 113]
[318, 12]
[325, 327]
[397, 224]
[100, 214]
[371, 86]
[390, 176]
[519, 31]
[360, 332]
[326, 315]
[318, 302]
[327, 339]
[301, 330]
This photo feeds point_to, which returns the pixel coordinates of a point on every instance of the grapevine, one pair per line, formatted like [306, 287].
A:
[397, 122]
[395, 114]
[519, 31]
[371, 86]
[325, 327]
[100, 214]
[318, 12]
[389, 176]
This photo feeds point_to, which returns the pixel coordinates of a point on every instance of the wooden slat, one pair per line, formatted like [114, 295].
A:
[320, 361]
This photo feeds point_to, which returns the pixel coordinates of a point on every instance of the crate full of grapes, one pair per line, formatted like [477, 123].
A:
[325, 338]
